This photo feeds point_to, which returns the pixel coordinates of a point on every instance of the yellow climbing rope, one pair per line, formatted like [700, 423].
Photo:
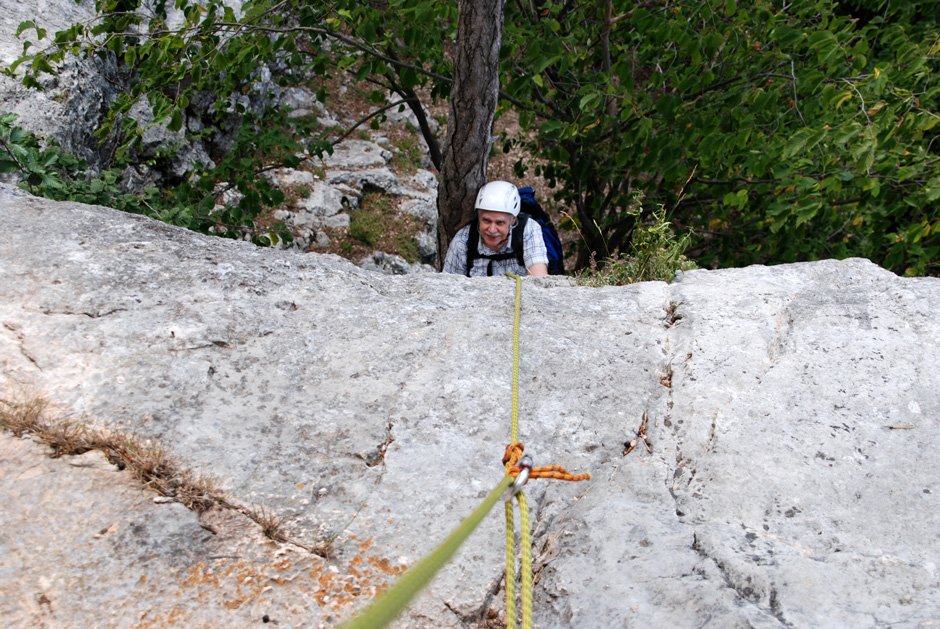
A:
[512, 459]
[385, 608]
[520, 497]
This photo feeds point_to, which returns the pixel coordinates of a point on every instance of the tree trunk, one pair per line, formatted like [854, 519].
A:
[473, 99]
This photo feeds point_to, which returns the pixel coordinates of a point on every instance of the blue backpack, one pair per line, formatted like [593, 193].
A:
[556, 256]
[529, 209]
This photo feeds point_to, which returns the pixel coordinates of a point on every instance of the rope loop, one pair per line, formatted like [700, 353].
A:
[513, 455]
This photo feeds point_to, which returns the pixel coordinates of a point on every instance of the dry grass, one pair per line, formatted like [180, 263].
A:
[24, 416]
[272, 525]
[148, 460]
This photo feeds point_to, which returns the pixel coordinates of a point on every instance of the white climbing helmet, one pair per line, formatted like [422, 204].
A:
[499, 196]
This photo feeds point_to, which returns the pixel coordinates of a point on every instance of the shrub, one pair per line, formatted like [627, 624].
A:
[656, 254]
[44, 169]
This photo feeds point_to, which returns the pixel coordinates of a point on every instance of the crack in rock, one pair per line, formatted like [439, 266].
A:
[748, 585]
[377, 456]
[21, 343]
[85, 313]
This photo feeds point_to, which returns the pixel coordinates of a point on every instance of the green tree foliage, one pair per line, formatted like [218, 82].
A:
[46, 170]
[777, 132]
[202, 59]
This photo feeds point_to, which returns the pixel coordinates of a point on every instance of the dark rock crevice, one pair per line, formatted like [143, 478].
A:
[751, 587]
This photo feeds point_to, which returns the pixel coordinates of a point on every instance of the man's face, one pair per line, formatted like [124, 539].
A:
[494, 228]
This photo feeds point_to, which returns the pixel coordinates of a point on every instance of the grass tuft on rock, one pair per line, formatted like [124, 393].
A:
[151, 463]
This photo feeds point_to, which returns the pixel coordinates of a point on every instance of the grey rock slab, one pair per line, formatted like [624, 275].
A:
[822, 378]
[50, 15]
[337, 221]
[293, 177]
[378, 178]
[382, 262]
[425, 209]
[376, 408]
[427, 246]
[424, 179]
[324, 200]
[357, 154]
[300, 98]
[85, 546]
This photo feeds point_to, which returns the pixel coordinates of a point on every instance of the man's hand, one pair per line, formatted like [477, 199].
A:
[538, 270]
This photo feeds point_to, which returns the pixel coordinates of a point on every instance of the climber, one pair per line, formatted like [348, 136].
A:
[486, 246]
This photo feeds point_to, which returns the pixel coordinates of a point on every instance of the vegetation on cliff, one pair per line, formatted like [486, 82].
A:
[774, 133]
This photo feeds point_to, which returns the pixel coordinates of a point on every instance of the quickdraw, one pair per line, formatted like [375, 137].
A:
[514, 462]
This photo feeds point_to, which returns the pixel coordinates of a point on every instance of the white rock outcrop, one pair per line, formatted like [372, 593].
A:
[792, 422]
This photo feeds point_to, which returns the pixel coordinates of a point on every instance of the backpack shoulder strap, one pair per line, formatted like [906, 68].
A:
[517, 233]
[473, 241]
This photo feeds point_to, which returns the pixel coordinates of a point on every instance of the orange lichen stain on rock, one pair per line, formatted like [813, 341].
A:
[166, 619]
[234, 584]
[200, 574]
[244, 575]
[336, 591]
[322, 595]
[382, 565]
[237, 602]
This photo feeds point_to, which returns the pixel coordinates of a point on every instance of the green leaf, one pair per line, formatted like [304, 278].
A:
[906, 172]
[28, 24]
[796, 142]
[176, 121]
[787, 36]
[806, 210]
[837, 100]
[588, 100]
[41, 64]
[932, 190]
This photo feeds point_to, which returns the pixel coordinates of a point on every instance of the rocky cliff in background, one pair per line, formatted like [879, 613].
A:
[792, 411]
[74, 101]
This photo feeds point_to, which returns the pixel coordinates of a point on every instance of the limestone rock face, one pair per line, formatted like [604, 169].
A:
[790, 480]
[72, 104]
[70, 107]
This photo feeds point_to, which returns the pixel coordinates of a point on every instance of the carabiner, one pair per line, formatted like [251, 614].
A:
[525, 468]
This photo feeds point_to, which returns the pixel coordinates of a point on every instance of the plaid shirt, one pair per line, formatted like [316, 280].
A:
[533, 252]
